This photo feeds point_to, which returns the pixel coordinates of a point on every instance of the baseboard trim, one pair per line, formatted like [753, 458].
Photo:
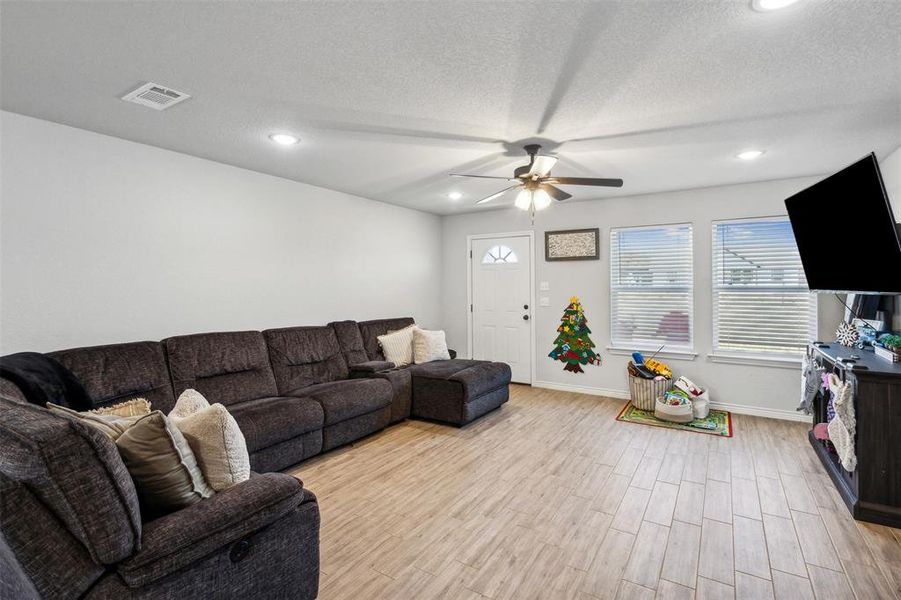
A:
[580, 389]
[739, 409]
[757, 411]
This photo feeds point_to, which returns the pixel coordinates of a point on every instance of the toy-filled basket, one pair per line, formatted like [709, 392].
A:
[644, 392]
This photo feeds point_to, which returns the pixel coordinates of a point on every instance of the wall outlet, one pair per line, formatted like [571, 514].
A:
[544, 301]
[544, 286]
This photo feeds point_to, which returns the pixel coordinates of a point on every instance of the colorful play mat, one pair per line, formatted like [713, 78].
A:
[718, 422]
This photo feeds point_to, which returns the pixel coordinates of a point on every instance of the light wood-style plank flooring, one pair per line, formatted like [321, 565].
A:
[550, 497]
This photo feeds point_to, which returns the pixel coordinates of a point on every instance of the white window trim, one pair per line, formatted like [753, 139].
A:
[738, 358]
[759, 360]
[686, 352]
[648, 352]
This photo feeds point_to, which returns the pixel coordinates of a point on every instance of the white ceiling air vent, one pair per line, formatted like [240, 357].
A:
[155, 96]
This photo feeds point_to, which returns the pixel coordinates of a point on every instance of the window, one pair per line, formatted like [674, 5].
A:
[651, 287]
[761, 304]
[499, 254]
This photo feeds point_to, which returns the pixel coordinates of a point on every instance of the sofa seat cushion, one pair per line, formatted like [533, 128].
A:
[178, 540]
[343, 400]
[442, 369]
[268, 421]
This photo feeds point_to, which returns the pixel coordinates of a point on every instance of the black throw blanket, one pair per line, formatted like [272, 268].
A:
[43, 379]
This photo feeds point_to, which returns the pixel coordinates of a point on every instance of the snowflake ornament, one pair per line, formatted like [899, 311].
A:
[846, 335]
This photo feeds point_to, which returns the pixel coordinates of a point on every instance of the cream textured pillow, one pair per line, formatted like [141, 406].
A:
[214, 437]
[189, 402]
[429, 346]
[397, 346]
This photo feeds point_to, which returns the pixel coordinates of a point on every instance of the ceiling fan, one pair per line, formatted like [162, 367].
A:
[537, 185]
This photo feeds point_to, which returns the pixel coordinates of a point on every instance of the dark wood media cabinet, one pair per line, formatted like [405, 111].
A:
[872, 491]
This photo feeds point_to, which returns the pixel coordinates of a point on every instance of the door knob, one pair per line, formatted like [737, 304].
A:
[525, 307]
[525, 317]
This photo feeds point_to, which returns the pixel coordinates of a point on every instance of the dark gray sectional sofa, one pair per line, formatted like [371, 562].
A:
[295, 392]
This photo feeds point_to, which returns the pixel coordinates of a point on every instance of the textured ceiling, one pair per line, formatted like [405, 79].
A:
[389, 97]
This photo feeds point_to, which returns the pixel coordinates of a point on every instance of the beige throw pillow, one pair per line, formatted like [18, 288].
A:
[397, 346]
[130, 408]
[214, 437]
[158, 457]
[429, 346]
[162, 465]
[111, 424]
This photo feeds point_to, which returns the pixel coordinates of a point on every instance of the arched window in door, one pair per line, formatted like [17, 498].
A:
[498, 255]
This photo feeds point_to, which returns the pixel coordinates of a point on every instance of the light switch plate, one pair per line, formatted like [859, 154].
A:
[544, 286]
[544, 301]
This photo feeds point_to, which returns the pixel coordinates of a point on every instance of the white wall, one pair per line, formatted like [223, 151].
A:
[104, 240]
[769, 391]
[891, 176]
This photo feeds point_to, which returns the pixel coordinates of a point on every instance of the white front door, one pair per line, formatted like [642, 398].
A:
[501, 303]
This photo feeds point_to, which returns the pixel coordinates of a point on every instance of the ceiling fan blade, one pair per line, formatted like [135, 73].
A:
[586, 181]
[555, 192]
[481, 176]
[542, 165]
[497, 194]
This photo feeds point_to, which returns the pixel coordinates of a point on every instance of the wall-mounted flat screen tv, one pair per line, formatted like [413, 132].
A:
[846, 233]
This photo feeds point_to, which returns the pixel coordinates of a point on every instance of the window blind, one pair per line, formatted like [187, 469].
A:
[651, 287]
[761, 304]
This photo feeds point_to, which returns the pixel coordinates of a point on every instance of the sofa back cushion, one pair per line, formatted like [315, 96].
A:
[75, 471]
[371, 330]
[117, 372]
[39, 558]
[304, 356]
[350, 341]
[227, 367]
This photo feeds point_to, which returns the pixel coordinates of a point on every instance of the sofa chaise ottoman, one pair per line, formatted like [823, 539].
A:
[455, 391]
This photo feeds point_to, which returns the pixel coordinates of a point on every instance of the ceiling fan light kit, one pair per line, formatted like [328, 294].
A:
[537, 188]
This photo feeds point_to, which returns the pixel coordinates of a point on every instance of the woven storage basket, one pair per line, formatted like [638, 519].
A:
[644, 392]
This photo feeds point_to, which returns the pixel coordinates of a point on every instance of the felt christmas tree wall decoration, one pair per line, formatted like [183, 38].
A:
[573, 346]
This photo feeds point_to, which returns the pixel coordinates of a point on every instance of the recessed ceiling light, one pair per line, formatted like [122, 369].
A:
[455, 195]
[750, 154]
[285, 139]
[770, 5]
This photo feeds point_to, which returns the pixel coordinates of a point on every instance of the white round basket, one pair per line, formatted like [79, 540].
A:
[680, 413]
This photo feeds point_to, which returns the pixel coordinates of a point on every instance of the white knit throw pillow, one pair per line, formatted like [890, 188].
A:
[397, 346]
[215, 438]
[429, 346]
